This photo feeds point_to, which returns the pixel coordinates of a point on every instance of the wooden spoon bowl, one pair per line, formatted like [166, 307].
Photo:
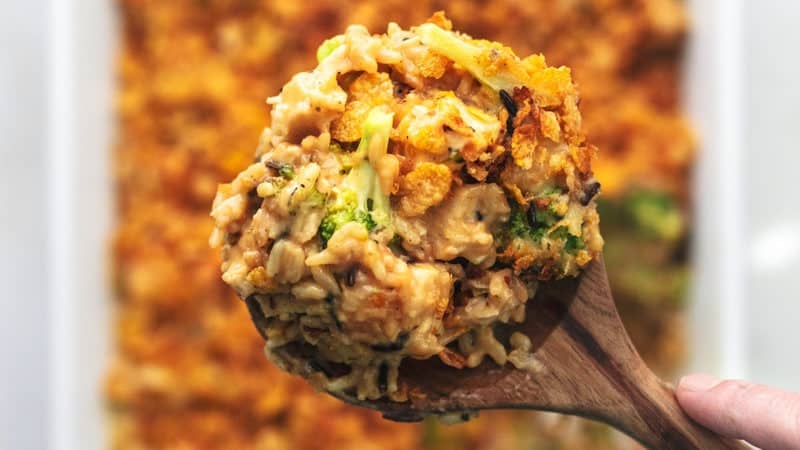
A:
[589, 368]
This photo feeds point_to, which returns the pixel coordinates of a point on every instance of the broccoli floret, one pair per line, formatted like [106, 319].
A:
[518, 225]
[535, 223]
[532, 224]
[550, 191]
[328, 47]
[656, 214]
[481, 62]
[287, 172]
[545, 218]
[344, 209]
[572, 243]
[360, 198]
[376, 131]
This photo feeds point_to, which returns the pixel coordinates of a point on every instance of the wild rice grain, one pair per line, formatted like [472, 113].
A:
[350, 277]
[590, 190]
[512, 109]
[383, 377]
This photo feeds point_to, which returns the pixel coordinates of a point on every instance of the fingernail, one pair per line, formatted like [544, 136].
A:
[698, 382]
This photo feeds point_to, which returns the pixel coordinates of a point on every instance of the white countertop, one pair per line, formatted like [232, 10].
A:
[772, 160]
[23, 321]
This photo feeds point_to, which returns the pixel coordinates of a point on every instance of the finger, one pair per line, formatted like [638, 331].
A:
[766, 417]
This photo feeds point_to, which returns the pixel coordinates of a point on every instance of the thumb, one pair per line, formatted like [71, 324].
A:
[766, 417]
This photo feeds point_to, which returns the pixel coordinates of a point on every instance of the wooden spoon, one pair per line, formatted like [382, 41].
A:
[589, 369]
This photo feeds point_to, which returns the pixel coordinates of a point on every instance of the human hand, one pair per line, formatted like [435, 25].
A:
[763, 416]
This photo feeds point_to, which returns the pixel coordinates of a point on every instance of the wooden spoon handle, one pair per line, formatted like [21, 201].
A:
[659, 422]
[591, 350]
[628, 396]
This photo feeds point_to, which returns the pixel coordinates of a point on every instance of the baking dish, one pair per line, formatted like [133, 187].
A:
[82, 128]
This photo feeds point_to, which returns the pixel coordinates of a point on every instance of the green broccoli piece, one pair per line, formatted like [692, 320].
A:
[527, 226]
[376, 132]
[521, 225]
[550, 191]
[286, 171]
[656, 214]
[469, 56]
[360, 198]
[329, 46]
[572, 243]
[518, 226]
[546, 218]
[346, 208]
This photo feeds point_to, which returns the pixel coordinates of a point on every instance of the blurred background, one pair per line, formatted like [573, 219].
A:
[118, 118]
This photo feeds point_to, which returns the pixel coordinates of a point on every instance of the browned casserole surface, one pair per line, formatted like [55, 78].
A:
[190, 371]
